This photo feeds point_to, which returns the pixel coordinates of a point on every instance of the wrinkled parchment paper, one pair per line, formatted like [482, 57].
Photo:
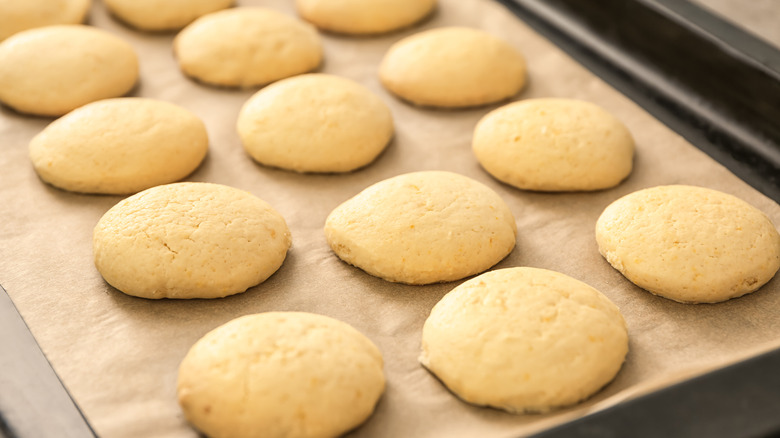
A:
[118, 355]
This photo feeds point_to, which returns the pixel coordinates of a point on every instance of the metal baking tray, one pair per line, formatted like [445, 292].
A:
[33, 400]
[710, 81]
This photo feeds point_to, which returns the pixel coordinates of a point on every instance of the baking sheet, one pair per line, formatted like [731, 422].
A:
[118, 355]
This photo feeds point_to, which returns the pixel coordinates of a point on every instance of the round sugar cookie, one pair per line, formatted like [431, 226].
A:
[423, 227]
[119, 146]
[154, 15]
[247, 47]
[315, 123]
[189, 240]
[453, 67]
[19, 15]
[524, 340]
[554, 145]
[52, 70]
[689, 244]
[364, 17]
[280, 374]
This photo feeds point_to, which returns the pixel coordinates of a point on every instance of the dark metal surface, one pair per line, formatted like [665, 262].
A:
[742, 400]
[33, 401]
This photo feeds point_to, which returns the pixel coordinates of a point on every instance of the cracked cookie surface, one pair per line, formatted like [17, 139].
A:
[17, 16]
[280, 374]
[524, 340]
[453, 67]
[247, 47]
[51, 70]
[689, 244]
[119, 146]
[423, 227]
[315, 123]
[554, 145]
[189, 240]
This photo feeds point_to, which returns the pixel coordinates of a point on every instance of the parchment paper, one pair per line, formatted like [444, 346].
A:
[118, 355]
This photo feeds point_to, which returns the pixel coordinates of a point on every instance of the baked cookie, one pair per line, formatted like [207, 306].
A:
[52, 70]
[554, 145]
[189, 240]
[280, 374]
[364, 17]
[154, 15]
[453, 67]
[315, 123]
[689, 244]
[19, 15]
[524, 340]
[246, 47]
[423, 227]
[119, 146]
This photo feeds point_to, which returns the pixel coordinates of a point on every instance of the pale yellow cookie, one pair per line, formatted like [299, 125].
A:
[52, 70]
[247, 47]
[453, 67]
[119, 146]
[423, 227]
[554, 145]
[689, 244]
[524, 340]
[189, 240]
[155, 15]
[280, 374]
[315, 123]
[364, 17]
[19, 15]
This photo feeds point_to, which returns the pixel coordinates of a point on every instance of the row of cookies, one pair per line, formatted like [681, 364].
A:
[344, 16]
[309, 123]
[249, 46]
[323, 123]
[519, 339]
[690, 244]
[237, 47]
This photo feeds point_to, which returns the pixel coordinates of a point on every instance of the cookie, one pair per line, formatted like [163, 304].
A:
[247, 47]
[189, 240]
[315, 123]
[364, 17]
[119, 146]
[280, 374]
[52, 70]
[19, 15]
[453, 67]
[524, 340]
[423, 227]
[152, 15]
[689, 244]
[554, 145]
